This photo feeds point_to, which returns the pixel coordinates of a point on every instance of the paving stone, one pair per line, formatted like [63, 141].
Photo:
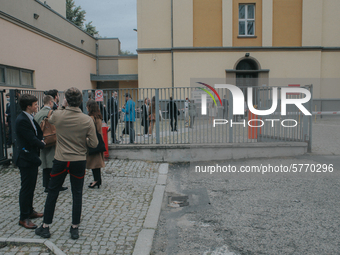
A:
[112, 216]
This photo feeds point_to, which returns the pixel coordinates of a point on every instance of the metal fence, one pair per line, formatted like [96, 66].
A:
[161, 121]
[195, 128]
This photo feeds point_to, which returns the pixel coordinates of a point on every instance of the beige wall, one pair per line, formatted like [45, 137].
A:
[54, 65]
[183, 23]
[287, 23]
[267, 23]
[154, 70]
[331, 21]
[108, 47]
[227, 23]
[57, 5]
[128, 66]
[108, 66]
[48, 22]
[154, 23]
[207, 18]
[247, 41]
[312, 22]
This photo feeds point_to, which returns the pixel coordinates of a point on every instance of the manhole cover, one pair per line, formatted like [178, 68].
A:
[178, 201]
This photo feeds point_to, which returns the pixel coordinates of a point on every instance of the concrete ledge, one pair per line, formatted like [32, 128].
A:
[203, 152]
[48, 243]
[145, 237]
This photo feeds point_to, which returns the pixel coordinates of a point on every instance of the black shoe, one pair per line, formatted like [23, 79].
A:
[74, 233]
[63, 188]
[43, 232]
[92, 186]
[46, 190]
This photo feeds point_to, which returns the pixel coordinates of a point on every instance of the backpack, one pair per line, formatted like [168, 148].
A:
[49, 131]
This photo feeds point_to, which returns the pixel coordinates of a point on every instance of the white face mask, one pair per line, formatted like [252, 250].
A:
[8, 99]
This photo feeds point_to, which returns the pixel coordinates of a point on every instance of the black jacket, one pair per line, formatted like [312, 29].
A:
[145, 114]
[112, 107]
[172, 109]
[27, 143]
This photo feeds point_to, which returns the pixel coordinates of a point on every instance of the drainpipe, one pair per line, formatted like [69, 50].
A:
[97, 58]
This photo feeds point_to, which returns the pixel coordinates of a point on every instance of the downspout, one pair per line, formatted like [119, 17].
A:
[97, 58]
[172, 44]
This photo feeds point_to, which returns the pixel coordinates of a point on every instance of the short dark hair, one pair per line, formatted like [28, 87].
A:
[27, 100]
[73, 97]
[53, 93]
[128, 95]
[170, 98]
[7, 94]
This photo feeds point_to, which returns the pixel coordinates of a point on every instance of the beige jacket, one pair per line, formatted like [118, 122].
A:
[75, 131]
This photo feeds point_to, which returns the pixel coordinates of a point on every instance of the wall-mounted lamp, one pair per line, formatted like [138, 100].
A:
[247, 55]
[35, 16]
[82, 41]
[135, 29]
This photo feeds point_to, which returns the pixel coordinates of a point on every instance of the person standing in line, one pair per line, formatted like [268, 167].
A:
[192, 113]
[145, 114]
[70, 157]
[152, 115]
[186, 112]
[28, 143]
[46, 154]
[95, 161]
[113, 109]
[212, 112]
[225, 105]
[173, 113]
[55, 95]
[130, 117]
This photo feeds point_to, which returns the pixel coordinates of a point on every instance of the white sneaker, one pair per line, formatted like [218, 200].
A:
[146, 136]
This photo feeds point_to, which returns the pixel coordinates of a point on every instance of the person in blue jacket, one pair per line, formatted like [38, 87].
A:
[130, 116]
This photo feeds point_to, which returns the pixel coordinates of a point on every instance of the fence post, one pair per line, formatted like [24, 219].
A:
[309, 149]
[230, 117]
[13, 109]
[157, 116]
[85, 98]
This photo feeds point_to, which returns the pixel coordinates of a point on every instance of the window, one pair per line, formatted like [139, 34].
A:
[246, 16]
[2, 75]
[16, 77]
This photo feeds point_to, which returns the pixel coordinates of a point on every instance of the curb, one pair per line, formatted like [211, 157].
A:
[48, 243]
[145, 237]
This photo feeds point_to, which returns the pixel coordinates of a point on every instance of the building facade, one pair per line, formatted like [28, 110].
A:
[40, 49]
[271, 42]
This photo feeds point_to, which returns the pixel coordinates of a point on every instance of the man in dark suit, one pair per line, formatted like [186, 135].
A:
[112, 105]
[173, 113]
[28, 144]
[145, 116]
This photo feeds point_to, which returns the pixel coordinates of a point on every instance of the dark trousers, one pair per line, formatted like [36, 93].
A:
[46, 176]
[58, 174]
[131, 130]
[114, 123]
[96, 175]
[172, 118]
[28, 182]
[146, 125]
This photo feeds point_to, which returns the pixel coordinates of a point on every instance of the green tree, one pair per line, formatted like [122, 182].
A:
[90, 29]
[77, 16]
[125, 52]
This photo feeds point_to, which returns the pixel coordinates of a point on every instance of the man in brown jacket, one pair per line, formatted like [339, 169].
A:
[75, 131]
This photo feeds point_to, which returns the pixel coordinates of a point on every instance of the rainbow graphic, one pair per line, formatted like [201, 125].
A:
[209, 93]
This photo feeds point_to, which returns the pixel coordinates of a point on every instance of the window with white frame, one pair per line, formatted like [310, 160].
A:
[246, 23]
[16, 77]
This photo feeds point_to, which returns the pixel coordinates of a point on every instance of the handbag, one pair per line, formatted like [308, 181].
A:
[49, 131]
[100, 147]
